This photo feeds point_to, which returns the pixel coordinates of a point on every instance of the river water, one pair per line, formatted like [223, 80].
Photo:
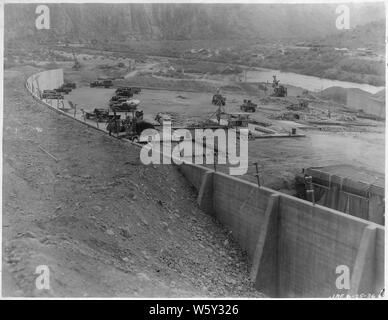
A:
[307, 82]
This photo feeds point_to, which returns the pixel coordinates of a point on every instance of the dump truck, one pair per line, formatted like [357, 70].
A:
[280, 91]
[131, 127]
[99, 114]
[63, 89]
[70, 85]
[126, 90]
[126, 106]
[248, 106]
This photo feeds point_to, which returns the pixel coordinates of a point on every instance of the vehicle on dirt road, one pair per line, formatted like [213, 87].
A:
[280, 91]
[218, 100]
[100, 115]
[162, 117]
[131, 90]
[63, 89]
[124, 93]
[101, 83]
[126, 106]
[248, 106]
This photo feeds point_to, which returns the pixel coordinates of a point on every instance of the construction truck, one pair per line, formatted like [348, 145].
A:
[280, 91]
[130, 128]
[122, 91]
[248, 106]
[99, 114]
[70, 85]
[63, 89]
[77, 64]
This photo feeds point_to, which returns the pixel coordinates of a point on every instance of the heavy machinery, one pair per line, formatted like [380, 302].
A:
[125, 106]
[117, 100]
[248, 106]
[63, 89]
[131, 127]
[101, 83]
[77, 64]
[70, 85]
[218, 100]
[123, 91]
[100, 115]
[301, 105]
[162, 117]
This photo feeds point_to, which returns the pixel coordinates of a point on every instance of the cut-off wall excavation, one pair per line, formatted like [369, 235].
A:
[295, 246]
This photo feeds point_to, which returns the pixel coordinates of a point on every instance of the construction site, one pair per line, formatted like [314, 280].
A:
[77, 197]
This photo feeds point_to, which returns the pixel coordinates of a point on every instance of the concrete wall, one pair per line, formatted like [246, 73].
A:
[363, 100]
[295, 247]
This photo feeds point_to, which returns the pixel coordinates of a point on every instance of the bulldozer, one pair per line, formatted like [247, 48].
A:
[248, 106]
[280, 91]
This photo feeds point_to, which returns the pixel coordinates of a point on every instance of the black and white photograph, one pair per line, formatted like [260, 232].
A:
[181, 150]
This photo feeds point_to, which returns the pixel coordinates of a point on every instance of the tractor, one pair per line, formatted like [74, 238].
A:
[51, 94]
[122, 91]
[280, 91]
[70, 85]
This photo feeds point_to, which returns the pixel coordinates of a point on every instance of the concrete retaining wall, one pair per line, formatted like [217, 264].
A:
[295, 247]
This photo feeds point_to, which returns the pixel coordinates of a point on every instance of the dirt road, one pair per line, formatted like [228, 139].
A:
[103, 223]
